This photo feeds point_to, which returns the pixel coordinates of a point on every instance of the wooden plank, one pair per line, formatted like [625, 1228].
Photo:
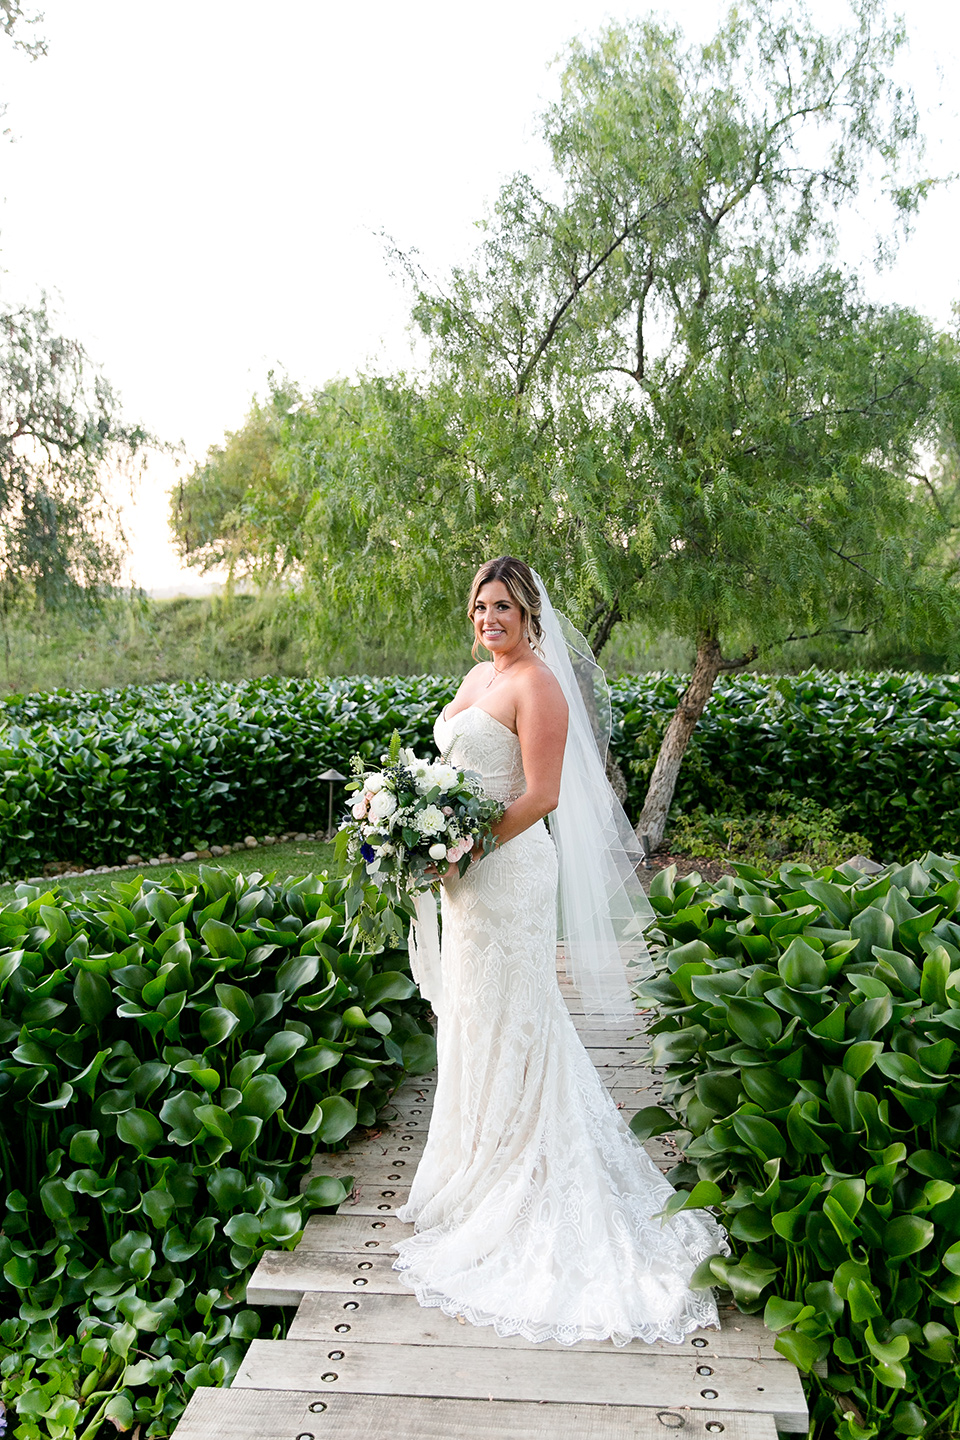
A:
[401, 1320]
[663, 1156]
[622, 1084]
[283, 1277]
[368, 1167]
[369, 1200]
[404, 1130]
[623, 1057]
[595, 1040]
[419, 1120]
[250, 1414]
[629, 1077]
[402, 1147]
[353, 1234]
[403, 1115]
[409, 1105]
[574, 1377]
[391, 1136]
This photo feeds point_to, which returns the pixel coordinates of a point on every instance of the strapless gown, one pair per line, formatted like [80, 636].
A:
[533, 1202]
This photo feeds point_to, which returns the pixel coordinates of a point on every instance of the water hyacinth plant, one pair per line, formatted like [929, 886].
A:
[172, 767]
[809, 1026]
[171, 1058]
[879, 751]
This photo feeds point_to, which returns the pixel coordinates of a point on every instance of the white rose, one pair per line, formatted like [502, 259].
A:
[430, 821]
[374, 782]
[382, 806]
[385, 850]
[437, 852]
[444, 775]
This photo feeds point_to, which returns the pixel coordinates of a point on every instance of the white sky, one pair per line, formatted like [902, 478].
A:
[199, 185]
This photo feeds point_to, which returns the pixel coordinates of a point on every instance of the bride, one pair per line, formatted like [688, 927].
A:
[534, 1205]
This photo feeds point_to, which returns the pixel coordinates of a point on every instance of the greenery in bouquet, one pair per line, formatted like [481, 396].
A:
[412, 821]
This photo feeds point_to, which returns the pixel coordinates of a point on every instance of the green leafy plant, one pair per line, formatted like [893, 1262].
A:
[808, 1026]
[99, 774]
[170, 1060]
[795, 828]
[146, 769]
[881, 751]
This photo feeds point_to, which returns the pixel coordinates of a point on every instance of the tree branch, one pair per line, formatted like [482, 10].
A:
[577, 283]
[603, 631]
[849, 561]
[641, 306]
[741, 660]
[925, 480]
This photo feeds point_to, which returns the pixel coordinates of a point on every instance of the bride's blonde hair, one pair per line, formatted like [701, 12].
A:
[517, 576]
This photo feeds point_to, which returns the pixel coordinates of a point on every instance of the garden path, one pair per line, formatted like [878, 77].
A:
[363, 1359]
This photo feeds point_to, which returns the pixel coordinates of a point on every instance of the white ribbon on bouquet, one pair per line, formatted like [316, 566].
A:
[425, 949]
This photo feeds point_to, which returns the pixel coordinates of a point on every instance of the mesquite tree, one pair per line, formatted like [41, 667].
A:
[61, 442]
[652, 382]
[237, 508]
[61, 439]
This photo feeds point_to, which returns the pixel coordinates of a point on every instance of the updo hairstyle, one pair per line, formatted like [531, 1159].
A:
[517, 576]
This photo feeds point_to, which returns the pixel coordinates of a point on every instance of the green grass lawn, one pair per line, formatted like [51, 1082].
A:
[295, 858]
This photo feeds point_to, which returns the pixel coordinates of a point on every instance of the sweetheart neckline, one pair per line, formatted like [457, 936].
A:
[449, 719]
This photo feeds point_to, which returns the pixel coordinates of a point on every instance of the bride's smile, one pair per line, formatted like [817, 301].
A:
[498, 623]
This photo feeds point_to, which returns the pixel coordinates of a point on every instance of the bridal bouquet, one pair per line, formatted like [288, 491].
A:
[411, 820]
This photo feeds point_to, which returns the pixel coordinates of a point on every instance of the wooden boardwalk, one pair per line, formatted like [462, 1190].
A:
[363, 1360]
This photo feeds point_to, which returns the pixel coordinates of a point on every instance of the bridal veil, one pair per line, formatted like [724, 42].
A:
[603, 910]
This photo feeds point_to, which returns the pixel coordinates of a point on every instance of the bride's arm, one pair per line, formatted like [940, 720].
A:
[542, 731]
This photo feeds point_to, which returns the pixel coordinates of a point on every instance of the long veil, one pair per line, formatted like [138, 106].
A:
[602, 908]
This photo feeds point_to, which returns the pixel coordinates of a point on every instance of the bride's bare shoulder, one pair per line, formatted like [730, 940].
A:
[537, 685]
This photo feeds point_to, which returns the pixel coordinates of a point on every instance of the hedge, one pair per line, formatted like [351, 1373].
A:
[882, 750]
[148, 769]
[167, 768]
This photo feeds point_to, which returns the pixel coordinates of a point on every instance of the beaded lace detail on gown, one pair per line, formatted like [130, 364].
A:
[533, 1201]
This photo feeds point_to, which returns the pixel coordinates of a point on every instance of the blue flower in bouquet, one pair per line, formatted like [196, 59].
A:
[367, 851]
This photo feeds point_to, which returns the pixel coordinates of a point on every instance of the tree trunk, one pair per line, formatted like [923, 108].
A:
[663, 781]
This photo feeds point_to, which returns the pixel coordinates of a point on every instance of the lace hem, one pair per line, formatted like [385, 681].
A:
[700, 1315]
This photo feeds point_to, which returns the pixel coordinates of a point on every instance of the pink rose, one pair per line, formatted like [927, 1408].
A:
[448, 809]
[359, 807]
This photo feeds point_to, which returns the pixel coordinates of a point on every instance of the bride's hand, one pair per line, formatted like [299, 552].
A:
[434, 874]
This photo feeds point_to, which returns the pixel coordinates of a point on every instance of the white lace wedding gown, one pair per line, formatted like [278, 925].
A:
[533, 1201]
